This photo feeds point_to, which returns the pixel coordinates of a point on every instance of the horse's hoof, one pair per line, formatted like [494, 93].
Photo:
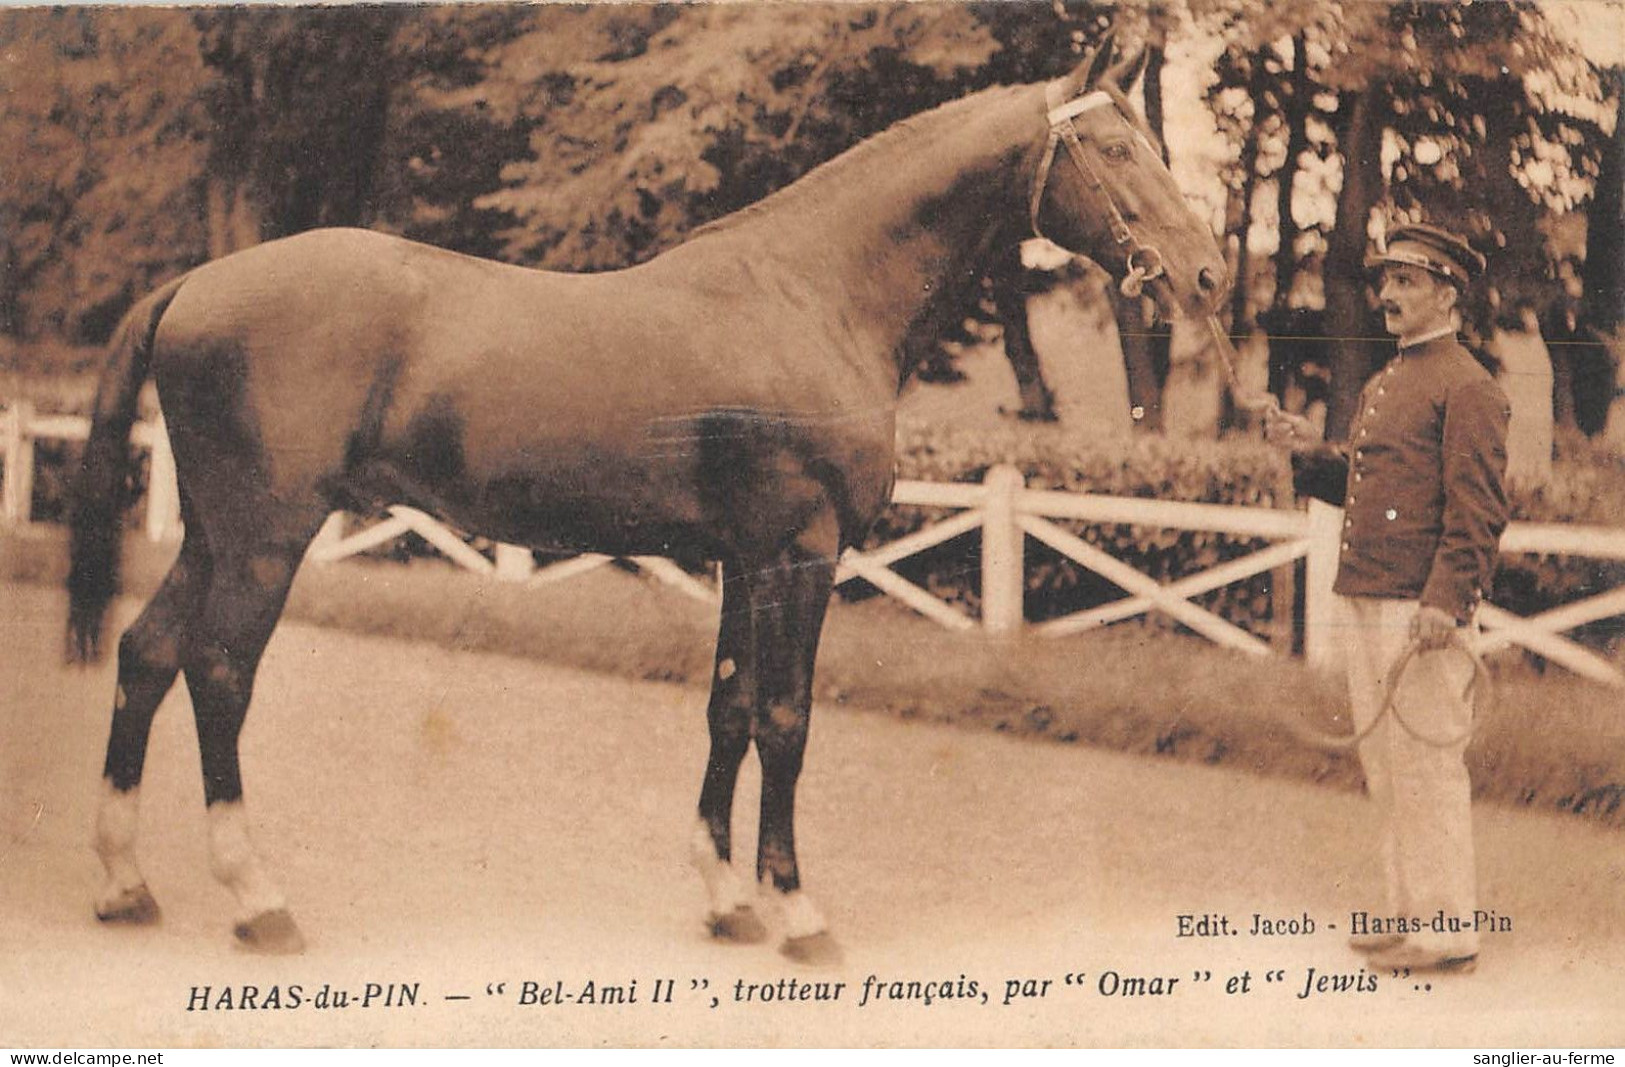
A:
[272, 933]
[817, 950]
[131, 907]
[740, 926]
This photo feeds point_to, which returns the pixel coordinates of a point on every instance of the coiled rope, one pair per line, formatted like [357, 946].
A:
[1479, 695]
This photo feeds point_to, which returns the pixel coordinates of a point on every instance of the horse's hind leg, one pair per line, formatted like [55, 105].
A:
[789, 598]
[733, 688]
[247, 590]
[149, 657]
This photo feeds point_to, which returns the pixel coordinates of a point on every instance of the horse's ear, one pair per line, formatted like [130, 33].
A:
[1088, 73]
[1126, 73]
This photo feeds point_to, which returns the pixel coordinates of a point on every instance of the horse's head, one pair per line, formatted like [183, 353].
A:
[1112, 199]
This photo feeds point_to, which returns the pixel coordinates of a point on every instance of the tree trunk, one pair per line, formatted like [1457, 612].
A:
[1351, 328]
[1005, 275]
[1526, 376]
[1295, 113]
[233, 222]
[1151, 87]
[11, 297]
[1241, 224]
[1602, 307]
[1560, 338]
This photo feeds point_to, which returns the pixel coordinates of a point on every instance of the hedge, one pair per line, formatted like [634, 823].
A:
[1162, 468]
[1587, 487]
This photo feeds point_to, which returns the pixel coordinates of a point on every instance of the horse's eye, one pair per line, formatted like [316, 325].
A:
[1117, 151]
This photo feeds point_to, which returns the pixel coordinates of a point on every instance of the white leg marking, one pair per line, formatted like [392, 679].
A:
[801, 916]
[723, 887]
[117, 820]
[232, 859]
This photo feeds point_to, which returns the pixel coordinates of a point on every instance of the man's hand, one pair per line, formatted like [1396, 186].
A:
[1289, 431]
[1433, 628]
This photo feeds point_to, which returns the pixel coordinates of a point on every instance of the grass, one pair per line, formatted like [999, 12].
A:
[1552, 742]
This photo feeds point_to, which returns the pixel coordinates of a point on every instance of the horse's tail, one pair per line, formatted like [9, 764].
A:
[102, 490]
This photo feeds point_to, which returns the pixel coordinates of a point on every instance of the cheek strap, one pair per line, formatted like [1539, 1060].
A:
[1143, 262]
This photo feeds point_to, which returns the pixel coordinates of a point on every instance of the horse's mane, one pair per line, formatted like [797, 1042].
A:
[912, 128]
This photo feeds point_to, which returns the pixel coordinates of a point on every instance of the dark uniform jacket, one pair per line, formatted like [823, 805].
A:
[1421, 481]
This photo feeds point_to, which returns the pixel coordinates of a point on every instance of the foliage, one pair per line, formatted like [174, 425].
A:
[101, 144]
[1588, 487]
[140, 141]
[1469, 92]
[298, 102]
[1481, 117]
[649, 120]
[1234, 471]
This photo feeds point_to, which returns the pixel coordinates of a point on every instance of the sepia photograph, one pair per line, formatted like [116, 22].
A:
[789, 524]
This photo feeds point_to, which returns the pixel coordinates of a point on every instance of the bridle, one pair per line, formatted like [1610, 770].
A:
[1144, 261]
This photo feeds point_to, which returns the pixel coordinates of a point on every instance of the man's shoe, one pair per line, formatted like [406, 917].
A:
[1418, 959]
[1374, 942]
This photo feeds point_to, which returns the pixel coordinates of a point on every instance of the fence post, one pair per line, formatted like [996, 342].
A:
[1321, 646]
[163, 493]
[1283, 608]
[1003, 545]
[331, 533]
[18, 504]
[514, 563]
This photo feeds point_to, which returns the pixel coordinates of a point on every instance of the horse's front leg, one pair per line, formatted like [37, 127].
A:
[733, 697]
[788, 599]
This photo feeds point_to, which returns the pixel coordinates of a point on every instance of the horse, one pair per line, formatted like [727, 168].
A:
[731, 399]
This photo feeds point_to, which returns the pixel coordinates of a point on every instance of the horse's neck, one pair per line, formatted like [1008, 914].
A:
[897, 226]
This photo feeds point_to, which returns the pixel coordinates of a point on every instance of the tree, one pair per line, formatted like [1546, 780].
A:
[654, 107]
[96, 194]
[647, 121]
[1268, 100]
[1428, 118]
[1350, 324]
[1601, 314]
[298, 108]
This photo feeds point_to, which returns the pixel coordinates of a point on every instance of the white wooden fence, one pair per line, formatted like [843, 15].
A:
[1007, 513]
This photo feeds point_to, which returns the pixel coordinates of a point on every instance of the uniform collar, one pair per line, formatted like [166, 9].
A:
[1411, 344]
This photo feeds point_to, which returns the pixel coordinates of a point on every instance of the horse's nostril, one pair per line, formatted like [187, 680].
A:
[1207, 280]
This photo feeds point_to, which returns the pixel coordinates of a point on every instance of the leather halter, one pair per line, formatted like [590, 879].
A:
[1144, 261]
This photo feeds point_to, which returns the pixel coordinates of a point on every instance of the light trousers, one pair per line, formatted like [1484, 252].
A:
[1420, 791]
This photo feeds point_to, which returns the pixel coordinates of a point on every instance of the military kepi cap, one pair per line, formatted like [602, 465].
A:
[1433, 249]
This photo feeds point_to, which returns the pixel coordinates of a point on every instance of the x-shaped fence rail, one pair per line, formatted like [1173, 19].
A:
[1005, 512]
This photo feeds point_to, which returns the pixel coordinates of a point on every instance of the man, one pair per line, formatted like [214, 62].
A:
[1421, 480]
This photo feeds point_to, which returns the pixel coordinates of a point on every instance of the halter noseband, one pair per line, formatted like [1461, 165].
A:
[1061, 130]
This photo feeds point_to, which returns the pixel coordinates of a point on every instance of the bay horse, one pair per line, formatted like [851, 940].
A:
[731, 399]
